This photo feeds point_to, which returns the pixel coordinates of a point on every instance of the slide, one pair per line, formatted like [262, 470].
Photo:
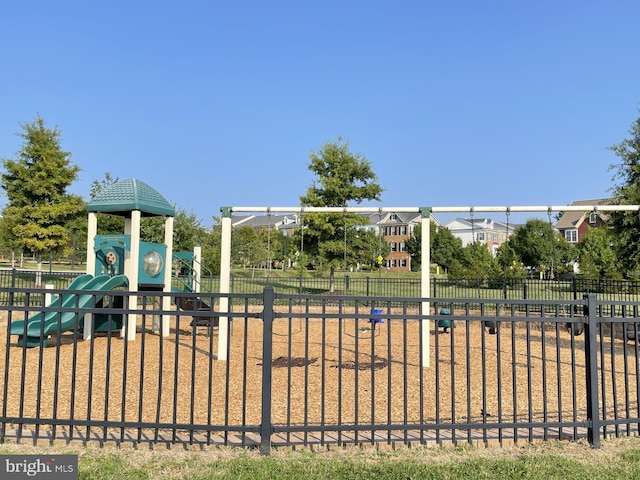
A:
[193, 304]
[42, 324]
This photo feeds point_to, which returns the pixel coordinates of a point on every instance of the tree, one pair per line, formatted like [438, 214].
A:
[445, 247]
[508, 264]
[341, 178]
[595, 255]
[626, 191]
[211, 248]
[475, 264]
[413, 244]
[187, 230]
[248, 247]
[539, 246]
[39, 207]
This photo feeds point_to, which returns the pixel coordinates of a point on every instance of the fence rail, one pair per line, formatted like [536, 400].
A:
[306, 369]
[381, 285]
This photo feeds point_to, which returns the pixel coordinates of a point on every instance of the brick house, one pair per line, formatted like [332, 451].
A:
[573, 226]
[396, 228]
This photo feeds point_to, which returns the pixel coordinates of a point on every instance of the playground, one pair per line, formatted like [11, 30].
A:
[123, 355]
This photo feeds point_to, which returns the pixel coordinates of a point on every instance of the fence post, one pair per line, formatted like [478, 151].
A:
[266, 428]
[591, 358]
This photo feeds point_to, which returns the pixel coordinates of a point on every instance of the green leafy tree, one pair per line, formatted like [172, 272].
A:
[508, 264]
[626, 191]
[445, 247]
[413, 244]
[596, 257]
[367, 246]
[539, 246]
[475, 264]
[211, 248]
[39, 208]
[342, 178]
[187, 230]
[247, 247]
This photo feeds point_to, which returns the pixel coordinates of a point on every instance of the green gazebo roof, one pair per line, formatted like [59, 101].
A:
[127, 195]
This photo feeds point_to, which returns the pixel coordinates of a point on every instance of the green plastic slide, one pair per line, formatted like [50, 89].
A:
[43, 324]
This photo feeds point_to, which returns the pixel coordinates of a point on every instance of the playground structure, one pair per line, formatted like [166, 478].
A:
[113, 261]
[143, 263]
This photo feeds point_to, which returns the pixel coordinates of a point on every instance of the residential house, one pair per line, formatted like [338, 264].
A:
[482, 230]
[396, 228]
[573, 225]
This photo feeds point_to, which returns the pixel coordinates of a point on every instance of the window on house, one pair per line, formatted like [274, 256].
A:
[571, 236]
[393, 262]
[593, 217]
[393, 231]
[403, 247]
[393, 216]
[394, 246]
[480, 236]
[403, 230]
[403, 263]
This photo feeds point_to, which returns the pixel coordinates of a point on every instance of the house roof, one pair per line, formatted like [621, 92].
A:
[122, 197]
[479, 224]
[256, 221]
[573, 219]
[292, 221]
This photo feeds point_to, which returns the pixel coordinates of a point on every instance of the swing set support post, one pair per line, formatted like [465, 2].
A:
[425, 281]
[225, 283]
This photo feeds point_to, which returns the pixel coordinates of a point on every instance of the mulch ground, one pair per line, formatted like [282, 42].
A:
[323, 371]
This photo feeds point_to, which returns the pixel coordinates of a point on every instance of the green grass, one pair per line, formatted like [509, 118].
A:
[618, 458]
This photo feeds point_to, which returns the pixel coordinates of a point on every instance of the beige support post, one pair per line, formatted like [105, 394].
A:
[48, 297]
[197, 268]
[166, 300]
[132, 260]
[92, 231]
[225, 282]
[425, 283]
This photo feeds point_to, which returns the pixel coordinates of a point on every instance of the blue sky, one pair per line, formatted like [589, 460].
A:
[220, 103]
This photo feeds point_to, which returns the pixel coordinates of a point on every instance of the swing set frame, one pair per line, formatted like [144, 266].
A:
[425, 277]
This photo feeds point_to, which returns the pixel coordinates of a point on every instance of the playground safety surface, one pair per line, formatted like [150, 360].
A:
[323, 372]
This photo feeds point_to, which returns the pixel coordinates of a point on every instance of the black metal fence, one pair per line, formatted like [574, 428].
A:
[385, 285]
[381, 285]
[316, 369]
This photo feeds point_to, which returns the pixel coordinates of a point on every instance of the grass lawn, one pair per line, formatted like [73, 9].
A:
[618, 458]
